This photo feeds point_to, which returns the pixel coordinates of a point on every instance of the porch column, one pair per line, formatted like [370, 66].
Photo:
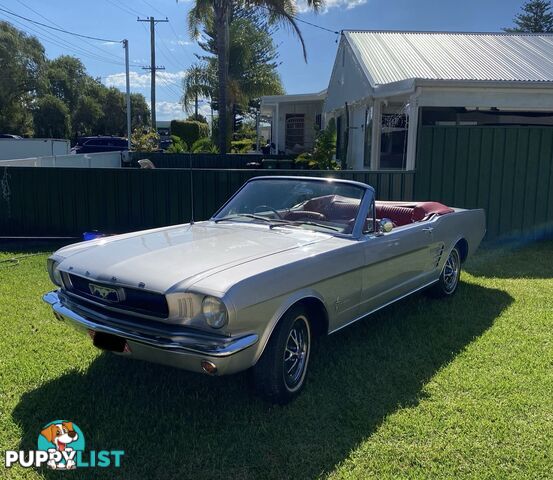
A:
[412, 131]
[376, 134]
[276, 122]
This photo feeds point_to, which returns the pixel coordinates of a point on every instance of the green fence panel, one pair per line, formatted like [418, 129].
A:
[69, 201]
[507, 170]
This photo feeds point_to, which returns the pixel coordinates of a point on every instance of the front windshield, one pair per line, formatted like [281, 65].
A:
[321, 205]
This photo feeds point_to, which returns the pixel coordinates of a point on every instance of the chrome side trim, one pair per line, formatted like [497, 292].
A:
[426, 285]
[183, 343]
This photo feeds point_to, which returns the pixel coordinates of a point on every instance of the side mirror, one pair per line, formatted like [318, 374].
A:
[385, 225]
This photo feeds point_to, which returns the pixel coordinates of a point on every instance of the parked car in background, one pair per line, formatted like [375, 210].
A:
[285, 260]
[100, 144]
[9, 135]
[165, 144]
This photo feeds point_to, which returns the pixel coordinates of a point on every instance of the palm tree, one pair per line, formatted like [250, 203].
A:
[278, 12]
[253, 63]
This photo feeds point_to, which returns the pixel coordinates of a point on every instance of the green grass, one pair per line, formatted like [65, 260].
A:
[456, 388]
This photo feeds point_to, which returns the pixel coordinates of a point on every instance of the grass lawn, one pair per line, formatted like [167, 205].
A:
[456, 388]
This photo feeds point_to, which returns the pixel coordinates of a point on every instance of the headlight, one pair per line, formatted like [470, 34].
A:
[214, 312]
[54, 273]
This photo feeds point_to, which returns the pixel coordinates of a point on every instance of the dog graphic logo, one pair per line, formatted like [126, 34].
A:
[63, 437]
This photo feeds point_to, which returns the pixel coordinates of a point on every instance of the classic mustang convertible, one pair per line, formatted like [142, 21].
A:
[284, 260]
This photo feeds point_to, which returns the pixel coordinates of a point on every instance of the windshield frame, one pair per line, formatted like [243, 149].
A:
[362, 212]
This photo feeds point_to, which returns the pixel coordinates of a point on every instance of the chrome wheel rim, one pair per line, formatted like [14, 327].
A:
[296, 353]
[451, 271]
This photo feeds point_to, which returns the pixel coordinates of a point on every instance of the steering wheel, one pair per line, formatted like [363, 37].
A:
[267, 207]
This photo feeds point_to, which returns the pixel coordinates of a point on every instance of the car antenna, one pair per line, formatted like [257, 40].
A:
[191, 190]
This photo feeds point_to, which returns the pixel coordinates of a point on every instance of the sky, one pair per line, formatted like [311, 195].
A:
[175, 50]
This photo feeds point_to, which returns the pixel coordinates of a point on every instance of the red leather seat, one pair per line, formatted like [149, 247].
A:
[405, 213]
[398, 214]
[333, 207]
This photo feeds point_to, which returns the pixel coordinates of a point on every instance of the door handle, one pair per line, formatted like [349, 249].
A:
[428, 229]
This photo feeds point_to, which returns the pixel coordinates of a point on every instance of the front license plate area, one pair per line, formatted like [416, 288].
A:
[111, 343]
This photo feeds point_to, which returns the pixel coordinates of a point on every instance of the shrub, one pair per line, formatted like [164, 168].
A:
[204, 145]
[145, 140]
[189, 131]
[322, 157]
[241, 146]
[177, 146]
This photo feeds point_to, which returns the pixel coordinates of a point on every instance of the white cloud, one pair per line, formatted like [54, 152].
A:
[169, 110]
[174, 111]
[347, 4]
[142, 80]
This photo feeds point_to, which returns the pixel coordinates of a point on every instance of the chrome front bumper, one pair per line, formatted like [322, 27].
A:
[174, 345]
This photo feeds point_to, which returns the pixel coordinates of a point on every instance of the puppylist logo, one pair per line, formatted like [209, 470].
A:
[61, 446]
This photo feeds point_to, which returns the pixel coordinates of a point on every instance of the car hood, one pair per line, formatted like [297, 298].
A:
[174, 258]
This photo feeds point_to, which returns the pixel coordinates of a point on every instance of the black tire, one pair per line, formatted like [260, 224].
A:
[447, 285]
[280, 373]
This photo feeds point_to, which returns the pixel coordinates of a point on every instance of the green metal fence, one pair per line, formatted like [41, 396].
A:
[508, 171]
[70, 201]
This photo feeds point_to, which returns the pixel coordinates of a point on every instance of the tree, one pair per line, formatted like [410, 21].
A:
[252, 71]
[140, 111]
[22, 60]
[536, 17]
[113, 106]
[51, 118]
[86, 116]
[66, 78]
[219, 12]
[30, 85]
[198, 118]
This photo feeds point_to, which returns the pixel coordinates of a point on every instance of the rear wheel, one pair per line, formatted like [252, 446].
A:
[280, 373]
[449, 278]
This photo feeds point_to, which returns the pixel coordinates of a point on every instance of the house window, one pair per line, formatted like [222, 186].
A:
[318, 121]
[393, 141]
[295, 130]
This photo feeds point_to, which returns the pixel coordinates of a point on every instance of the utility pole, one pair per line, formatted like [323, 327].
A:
[153, 67]
[126, 47]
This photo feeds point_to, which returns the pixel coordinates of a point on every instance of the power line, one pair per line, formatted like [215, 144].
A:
[154, 7]
[124, 8]
[316, 26]
[335, 32]
[59, 29]
[58, 41]
[103, 51]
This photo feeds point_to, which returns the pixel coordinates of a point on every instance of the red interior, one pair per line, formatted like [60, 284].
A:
[335, 208]
[405, 213]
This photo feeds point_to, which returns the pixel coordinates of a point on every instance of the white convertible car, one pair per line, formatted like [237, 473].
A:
[285, 260]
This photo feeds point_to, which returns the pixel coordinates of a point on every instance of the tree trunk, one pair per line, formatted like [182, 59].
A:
[222, 17]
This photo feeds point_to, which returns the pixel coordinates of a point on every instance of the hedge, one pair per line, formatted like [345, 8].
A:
[189, 131]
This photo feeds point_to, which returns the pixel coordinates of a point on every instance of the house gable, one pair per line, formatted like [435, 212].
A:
[349, 81]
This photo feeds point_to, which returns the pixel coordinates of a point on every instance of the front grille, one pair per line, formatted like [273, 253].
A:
[124, 298]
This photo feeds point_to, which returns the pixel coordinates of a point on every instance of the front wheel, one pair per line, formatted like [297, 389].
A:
[279, 374]
[449, 278]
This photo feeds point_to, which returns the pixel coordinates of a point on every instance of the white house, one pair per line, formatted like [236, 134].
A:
[384, 84]
[293, 120]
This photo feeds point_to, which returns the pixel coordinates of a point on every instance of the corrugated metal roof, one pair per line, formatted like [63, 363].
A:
[395, 56]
